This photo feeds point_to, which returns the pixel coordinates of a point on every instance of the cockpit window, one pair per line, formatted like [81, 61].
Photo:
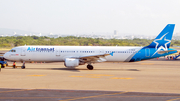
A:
[12, 50]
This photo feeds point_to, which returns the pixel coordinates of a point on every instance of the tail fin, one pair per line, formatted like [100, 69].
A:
[163, 40]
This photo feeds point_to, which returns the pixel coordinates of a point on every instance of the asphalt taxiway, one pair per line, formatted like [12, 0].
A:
[145, 80]
[76, 95]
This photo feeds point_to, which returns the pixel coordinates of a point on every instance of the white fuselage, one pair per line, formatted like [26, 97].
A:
[60, 53]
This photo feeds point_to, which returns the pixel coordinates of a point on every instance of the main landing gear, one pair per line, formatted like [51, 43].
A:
[90, 67]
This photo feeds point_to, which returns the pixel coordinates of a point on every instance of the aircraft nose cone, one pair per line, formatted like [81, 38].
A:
[5, 56]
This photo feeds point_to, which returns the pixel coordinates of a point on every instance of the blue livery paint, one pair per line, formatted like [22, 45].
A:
[40, 49]
[31, 49]
[45, 49]
[111, 53]
[160, 43]
[164, 38]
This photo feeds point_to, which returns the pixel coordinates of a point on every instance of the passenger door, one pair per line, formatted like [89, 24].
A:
[147, 52]
[23, 51]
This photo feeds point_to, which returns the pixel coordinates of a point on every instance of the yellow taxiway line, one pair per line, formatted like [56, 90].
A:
[93, 96]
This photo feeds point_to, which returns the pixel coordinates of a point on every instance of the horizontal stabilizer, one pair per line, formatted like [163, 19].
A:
[162, 52]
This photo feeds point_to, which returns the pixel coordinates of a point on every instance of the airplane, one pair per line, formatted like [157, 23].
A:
[73, 56]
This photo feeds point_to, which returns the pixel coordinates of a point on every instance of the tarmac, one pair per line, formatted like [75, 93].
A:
[155, 79]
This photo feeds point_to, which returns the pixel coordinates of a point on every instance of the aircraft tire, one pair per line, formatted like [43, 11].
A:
[2, 66]
[23, 67]
[90, 67]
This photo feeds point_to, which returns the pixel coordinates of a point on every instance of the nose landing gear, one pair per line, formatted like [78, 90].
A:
[23, 66]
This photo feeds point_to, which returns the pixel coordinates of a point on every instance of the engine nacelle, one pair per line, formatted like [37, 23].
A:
[71, 63]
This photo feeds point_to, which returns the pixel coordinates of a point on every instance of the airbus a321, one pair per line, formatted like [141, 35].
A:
[73, 56]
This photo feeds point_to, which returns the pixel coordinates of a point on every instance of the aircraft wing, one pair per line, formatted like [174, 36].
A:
[94, 58]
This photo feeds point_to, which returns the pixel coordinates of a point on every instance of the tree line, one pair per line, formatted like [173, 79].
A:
[9, 42]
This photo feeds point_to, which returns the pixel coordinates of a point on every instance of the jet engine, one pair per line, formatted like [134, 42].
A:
[71, 63]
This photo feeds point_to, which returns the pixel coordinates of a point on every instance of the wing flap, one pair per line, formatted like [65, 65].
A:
[94, 58]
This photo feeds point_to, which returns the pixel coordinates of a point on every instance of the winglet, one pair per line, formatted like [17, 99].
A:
[111, 53]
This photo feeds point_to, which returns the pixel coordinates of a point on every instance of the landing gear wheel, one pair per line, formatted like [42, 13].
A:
[90, 67]
[23, 67]
[2, 66]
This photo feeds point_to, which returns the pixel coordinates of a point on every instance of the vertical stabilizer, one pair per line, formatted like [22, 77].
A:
[163, 40]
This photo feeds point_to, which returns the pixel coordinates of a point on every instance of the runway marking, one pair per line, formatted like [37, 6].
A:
[85, 76]
[15, 90]
[77, 76]
[173, 99]
[147, 63]
[93, 96]
[92, 75]
[120, 78]
[36, 75]
[99, 75]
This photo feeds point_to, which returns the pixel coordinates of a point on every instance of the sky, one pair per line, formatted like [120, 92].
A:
[138, 17]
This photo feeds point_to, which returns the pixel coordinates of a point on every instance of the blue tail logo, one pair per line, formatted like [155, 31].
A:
[163, 40]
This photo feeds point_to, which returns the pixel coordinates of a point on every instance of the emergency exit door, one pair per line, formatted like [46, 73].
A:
[57, 52]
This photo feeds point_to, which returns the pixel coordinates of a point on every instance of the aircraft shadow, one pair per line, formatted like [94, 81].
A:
[66, 69]
[78, 70]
